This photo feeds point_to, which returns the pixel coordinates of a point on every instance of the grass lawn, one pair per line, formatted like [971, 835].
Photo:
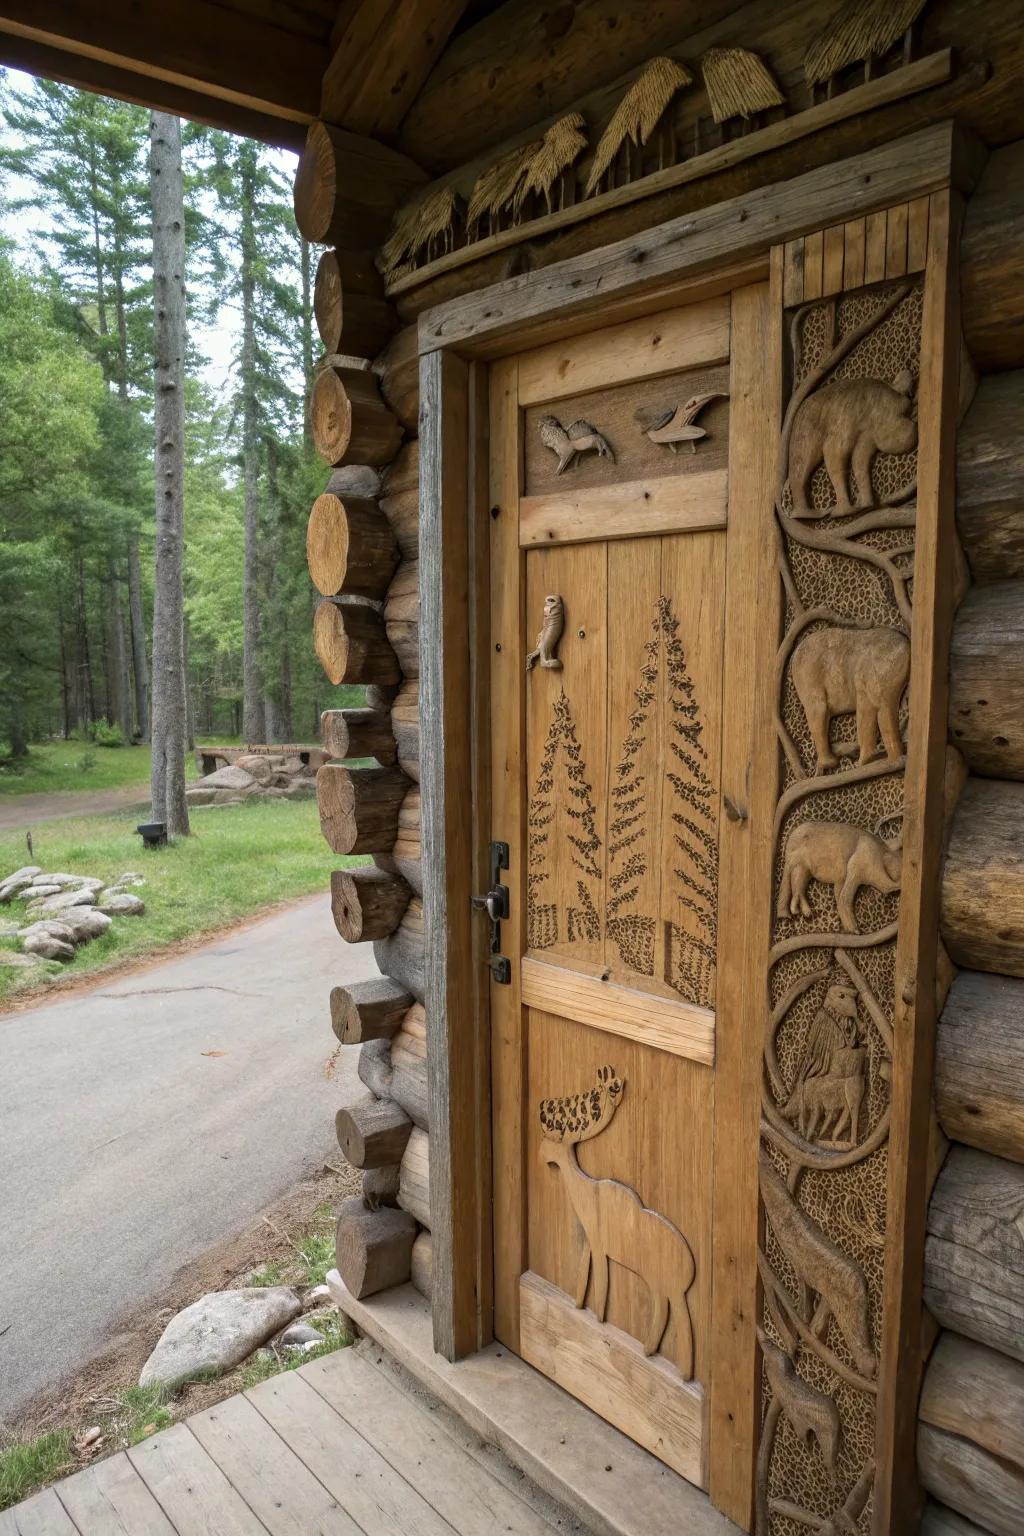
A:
[239, 858]
[81, 765]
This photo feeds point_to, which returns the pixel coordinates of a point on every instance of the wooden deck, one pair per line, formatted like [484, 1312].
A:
[344, 1446]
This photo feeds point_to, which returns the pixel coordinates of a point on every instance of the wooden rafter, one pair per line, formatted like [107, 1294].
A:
[383, 51]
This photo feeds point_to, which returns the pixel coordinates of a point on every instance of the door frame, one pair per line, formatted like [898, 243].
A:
[713, 250]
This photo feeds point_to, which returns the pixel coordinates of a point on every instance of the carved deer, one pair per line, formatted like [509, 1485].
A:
[616, 1224]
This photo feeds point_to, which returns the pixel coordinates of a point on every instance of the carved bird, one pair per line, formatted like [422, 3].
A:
[569, 442]
[583, 1115]
[677, 425]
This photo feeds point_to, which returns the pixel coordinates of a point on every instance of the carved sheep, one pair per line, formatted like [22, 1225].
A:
[841, 856]
[836, 671]
[845, 424]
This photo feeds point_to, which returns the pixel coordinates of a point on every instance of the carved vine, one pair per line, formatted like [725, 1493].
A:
[845, 538]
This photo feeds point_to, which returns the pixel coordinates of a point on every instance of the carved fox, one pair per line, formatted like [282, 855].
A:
[811, 1413]
[616, 1224]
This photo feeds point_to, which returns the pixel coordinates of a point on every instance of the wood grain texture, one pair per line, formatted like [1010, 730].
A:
[752, 621]
[983, 879]
[190, 1487]
[349, 547]
[457, 1047]
[990, 479]
[372, 1132]
[992, 258]
[962, 1474]
[728, 232]
[940, 1520]
[41, 1515]
[368, 1010]
[674, 1026]
[414, 1183]
[347, 186]
[631, 508]
[382, 55]
[400, 956]
[373, 1248]
[654, 344]
[111, 1496]
[405, 725]
[979, 1064]
[367, 903]
[986, 666]
[358, 733]
[974, 1262]
[360, 806]
[351, 643]
[398, 370]
[606, 1369]
[350, 422]
[352, 315]
[978, 1394]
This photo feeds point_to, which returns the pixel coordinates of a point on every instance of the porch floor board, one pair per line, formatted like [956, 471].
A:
[343, 1446]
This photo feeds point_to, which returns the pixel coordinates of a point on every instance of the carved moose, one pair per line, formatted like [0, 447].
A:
[845, 424]
[841, 856]
[821, 1269]
[616, 1224]
[829, 1089]
[838, 670]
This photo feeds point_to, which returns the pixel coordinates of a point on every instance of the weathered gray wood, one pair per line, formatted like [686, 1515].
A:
[401, 955]
[271, 1479]
[990, 478]
[992, 263]
[940, 1520]
[380, 1186]
[402, 616]
[42, 1515]
[741, 229]
[368, 1010]
[398, 370]
[372, 1132]
[190, 1487]
[359, 806]
[373, 1247]
[368, 904]
[986, 680]
[397, 1068]
[983, 879]
[414, 1179]
[408, 846]
[110, 1498]
[405, 724]
[977, 1393]
[974, 1255]
[423, 1264]
[979, 1064]
[963, 1475]
[344, 1460]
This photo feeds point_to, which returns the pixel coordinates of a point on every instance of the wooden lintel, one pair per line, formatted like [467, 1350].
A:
[569, 295]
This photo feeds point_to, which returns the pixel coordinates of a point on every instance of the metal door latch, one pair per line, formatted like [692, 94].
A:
[495, 904]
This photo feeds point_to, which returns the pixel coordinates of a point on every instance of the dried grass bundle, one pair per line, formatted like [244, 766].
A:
[738, 83]
[638, 113]
[495, 187]
[417, 226]
[560, 147]
[865, 30]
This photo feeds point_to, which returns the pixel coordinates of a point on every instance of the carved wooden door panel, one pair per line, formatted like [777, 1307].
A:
[611, 464]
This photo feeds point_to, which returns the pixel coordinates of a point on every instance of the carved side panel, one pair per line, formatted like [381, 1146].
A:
[846, 514]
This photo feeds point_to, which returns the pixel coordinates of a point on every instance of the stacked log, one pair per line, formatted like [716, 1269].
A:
[970, 1437]
[362, 551]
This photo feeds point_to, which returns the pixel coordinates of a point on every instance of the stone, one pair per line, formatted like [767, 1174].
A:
[293, 766]
[70, 882]
[301, 789]
[9, 930]
[20, 881]
[258, 767]
[48, 948]
[26, 872]
[199, 796]
[62, 901]
[218, 1332]
[121, 904]
[299, 1336]
[234, 778]
[52, 927]
[14, 961]
[318, 1297]
[130, 877]
[86, 923]
[38, 893]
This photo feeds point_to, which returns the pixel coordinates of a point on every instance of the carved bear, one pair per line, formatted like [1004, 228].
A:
[836, 671]
[845, 424]
[841, 856]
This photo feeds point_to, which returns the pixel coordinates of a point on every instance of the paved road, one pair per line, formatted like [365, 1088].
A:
[57, 805]
[125, 1152]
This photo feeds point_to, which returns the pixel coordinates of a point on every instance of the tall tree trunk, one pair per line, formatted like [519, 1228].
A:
[168, 756]
[119, 685]
[307, 343]
[140, 661]
[65, 692]
[88, 686]
[253, 722]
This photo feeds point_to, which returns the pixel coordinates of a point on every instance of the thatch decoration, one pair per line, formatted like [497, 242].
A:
[857, 34]
[560, 147]
[418, 226]
[496, 186]
[739, 84]
[638, 113]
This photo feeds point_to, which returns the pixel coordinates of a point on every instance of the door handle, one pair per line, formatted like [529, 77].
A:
[495, 903]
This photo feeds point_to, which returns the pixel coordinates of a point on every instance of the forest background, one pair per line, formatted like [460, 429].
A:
[76, 429]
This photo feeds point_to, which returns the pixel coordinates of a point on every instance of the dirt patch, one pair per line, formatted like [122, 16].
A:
[61, 804]
[81, 1398]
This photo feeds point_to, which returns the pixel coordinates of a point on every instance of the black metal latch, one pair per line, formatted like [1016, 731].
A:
[495, 904]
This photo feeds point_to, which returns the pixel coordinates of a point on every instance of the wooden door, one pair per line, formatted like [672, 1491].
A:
[610, 471]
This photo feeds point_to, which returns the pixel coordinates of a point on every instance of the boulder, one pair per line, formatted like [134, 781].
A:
[26, 872]
[9, 930]
[294, 766]
[218, 1332]
[198, 796]
[62, 901]
[234, 778]
[21, 880]
[258, 767]
[70, 882]
[52, 927]
[85, 923]
[48, 948]
[37, 893]
[299, 1335]
[121, 904]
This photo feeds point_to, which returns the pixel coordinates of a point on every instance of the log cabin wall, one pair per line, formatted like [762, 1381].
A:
[363, 551]
[971, 1432]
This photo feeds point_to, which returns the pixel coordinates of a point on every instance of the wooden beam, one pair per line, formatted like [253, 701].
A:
[457, 1034]
[570, 295]
[383, 52]
[251, 61]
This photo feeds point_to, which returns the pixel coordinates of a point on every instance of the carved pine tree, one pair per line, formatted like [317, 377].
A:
[583, 921]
